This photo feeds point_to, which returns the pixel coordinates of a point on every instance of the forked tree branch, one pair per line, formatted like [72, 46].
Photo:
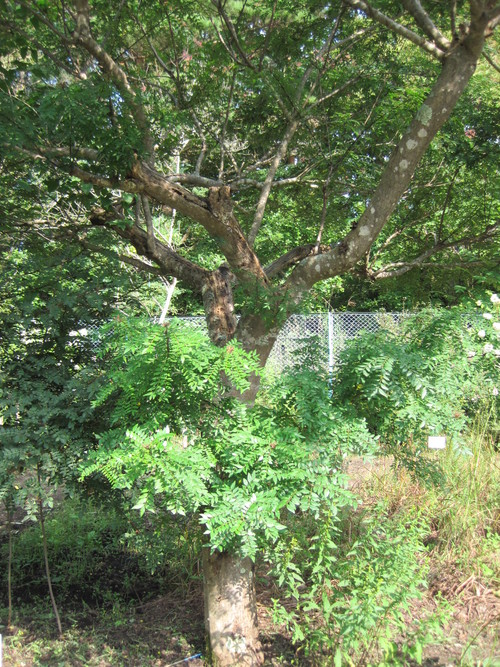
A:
[232, 32]
[425, 23]
[43, 19]
[195, 180]
[396, 27]
[456, 72]
[395, 269]
[332, 93]
[82, 36]
[293, 124]
[214, 213]
[100, 180]
[268, 182]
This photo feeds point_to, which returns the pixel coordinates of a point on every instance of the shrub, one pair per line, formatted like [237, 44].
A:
[428, 378]
[352, 591]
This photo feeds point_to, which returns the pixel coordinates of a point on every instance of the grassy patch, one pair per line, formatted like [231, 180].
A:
[462, 545]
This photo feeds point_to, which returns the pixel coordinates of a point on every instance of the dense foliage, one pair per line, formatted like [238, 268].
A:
[216, 91]
[430, 376]
[183, 444]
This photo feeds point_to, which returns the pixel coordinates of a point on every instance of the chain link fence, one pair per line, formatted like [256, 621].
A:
[329, 331]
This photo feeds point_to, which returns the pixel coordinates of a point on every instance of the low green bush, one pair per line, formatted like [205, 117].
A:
[88, 555]
[348, 585]
[429, 377]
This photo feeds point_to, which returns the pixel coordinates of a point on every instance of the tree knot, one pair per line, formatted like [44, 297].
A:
[219, 200]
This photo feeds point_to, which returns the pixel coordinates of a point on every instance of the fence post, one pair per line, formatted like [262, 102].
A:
[330, 350]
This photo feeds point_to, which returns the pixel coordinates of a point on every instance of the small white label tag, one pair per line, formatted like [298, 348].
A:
[437, 442]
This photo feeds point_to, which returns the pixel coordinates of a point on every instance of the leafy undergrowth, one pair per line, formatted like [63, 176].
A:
[139, 620]
[462, 598]
[170, 628]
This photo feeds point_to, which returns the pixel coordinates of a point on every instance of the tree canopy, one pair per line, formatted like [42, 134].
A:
[276, 132]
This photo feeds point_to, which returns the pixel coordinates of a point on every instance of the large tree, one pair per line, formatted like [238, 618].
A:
[275, 131]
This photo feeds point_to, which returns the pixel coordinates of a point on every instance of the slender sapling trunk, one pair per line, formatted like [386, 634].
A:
[41, 516]
[9, 566]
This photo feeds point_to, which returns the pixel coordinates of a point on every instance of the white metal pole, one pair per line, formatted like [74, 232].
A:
[170, 291]
[330, 348]
[1, 651]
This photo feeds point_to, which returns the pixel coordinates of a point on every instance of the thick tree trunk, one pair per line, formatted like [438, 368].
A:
[256, 334]
[231, 611]
[218, 305]
[229, 585]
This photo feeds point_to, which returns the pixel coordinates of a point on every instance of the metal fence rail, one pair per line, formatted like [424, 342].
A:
[330, 331]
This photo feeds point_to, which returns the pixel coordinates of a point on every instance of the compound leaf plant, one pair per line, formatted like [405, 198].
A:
[286, 137]
[181, 441]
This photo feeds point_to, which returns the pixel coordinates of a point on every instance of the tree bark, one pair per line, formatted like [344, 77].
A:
[258, 333]
[231, 611]
[219, 307]
[229, 583]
